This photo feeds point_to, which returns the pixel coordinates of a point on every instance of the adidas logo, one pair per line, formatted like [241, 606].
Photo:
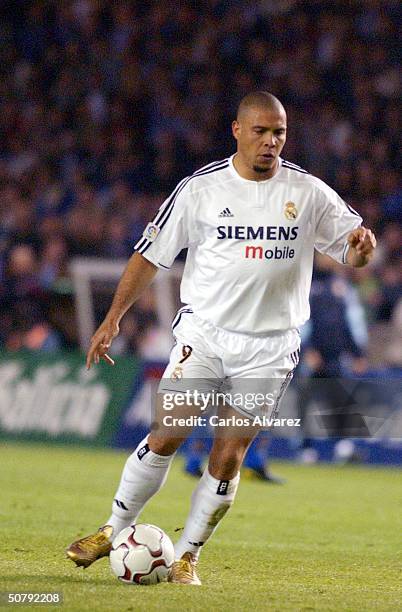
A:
[226, 213]
[120, 504]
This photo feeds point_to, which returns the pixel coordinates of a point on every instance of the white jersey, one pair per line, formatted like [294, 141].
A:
[250, 243]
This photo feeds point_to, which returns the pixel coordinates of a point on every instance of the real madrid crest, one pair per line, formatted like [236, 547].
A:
[177, 373]
[290, 211]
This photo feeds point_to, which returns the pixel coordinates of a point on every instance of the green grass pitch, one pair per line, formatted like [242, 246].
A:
[327, 540]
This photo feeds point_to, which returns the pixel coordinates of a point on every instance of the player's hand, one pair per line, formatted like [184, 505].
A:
[101, 342]
[359, 365]
[313, 360]
[363, 241]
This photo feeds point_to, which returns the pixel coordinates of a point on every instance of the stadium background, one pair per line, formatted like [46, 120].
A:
[104, 107]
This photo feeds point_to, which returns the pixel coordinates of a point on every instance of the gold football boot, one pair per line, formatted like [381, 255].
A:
[87, 550]
[183, 571]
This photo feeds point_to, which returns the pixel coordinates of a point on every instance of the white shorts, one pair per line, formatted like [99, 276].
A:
[212, 359]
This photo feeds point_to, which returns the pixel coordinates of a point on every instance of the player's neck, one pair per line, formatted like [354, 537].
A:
[249, 173]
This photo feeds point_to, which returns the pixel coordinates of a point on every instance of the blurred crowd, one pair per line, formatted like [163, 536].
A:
[105, 106]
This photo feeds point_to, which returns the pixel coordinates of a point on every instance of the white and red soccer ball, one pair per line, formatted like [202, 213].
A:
[142, 554]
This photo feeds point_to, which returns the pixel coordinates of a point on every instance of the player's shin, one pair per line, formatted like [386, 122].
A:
[143, 475]
[210, 501]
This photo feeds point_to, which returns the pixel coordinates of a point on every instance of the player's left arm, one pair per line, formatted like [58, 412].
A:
[362, 243]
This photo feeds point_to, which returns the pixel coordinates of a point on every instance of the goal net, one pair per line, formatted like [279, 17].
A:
[94, 283]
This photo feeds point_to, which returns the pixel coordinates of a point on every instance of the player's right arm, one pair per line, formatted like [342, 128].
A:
[136, 278]
[162, 240]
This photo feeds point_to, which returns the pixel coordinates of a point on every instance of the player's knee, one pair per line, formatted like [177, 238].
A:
[162, 445]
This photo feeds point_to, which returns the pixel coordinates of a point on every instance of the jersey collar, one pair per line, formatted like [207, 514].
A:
[244, 180]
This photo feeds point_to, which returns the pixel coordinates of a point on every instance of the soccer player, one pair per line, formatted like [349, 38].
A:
[250, 223]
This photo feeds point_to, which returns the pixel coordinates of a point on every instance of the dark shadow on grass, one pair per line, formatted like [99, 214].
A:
[55, 581]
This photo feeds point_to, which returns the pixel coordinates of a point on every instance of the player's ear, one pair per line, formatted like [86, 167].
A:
[235, 129]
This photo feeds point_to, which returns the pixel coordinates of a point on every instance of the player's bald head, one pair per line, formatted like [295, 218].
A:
[259, 100]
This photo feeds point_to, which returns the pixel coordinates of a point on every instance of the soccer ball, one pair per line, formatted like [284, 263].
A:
[141, 554]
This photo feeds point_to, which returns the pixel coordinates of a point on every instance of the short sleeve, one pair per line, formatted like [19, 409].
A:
[334, 222]
[169, 231]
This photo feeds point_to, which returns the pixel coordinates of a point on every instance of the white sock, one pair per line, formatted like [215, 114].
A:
[210, 501]
[143, 475]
